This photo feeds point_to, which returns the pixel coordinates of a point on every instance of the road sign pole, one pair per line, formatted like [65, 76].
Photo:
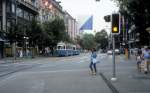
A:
[113, 61]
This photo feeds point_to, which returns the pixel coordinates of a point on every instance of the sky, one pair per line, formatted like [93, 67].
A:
[82, 9]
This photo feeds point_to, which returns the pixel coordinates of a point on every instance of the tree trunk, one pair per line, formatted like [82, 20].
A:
[14, 50]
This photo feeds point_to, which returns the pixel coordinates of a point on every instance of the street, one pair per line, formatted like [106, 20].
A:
[71, 75]
[50, 46]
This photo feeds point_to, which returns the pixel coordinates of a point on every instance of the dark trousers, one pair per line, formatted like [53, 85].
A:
[93, 65]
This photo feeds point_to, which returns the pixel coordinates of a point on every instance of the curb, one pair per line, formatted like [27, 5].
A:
[109, 84]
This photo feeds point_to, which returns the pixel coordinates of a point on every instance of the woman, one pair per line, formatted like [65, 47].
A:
[139, 59]
[93, 62]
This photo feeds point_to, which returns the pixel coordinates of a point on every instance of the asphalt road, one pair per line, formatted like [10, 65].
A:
[55, 75]
[71, 75]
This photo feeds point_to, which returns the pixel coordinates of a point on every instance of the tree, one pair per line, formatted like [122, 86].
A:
[56, 29]
[101, 39]
[137, 12]
[37, 34]
[78, 40]
[47, 34]
[88, 42]
[15, 33]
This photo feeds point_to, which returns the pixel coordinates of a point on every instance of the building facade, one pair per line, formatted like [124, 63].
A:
[21, 12]
[49, 9]
[14, 12]
[71, 26]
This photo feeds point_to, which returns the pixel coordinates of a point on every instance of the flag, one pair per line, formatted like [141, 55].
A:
[88, 25]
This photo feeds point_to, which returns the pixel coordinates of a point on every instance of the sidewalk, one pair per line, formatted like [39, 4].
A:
[129, 80]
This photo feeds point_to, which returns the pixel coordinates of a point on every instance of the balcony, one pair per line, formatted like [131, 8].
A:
[28, 5]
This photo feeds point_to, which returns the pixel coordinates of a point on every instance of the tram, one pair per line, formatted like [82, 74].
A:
[64, 49]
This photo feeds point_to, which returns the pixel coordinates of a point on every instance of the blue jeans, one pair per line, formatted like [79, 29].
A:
[93, 65]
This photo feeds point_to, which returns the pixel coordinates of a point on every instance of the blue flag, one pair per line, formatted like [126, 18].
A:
[88, 25]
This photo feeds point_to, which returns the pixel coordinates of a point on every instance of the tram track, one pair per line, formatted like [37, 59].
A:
[17, 70]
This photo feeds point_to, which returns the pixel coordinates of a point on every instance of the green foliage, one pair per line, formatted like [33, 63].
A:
[101, 39]
[78, 40]
[58, 29]
[87, 41]
[55, 30]
[15, 33]
[46, 34]
[137, 12]
[35, 33]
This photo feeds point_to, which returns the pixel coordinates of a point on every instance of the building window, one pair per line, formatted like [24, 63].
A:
[19, 12]
[13, 8]
[31, 16]
[33, 2]
[8, 8]
[8, 25]
[26, 15]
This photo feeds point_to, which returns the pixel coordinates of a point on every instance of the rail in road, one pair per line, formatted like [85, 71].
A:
[18, 69]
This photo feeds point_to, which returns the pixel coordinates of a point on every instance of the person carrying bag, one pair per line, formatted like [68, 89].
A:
[93, 62]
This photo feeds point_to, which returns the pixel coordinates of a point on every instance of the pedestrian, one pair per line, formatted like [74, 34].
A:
[139, 59]
[93, 62]
[27, 53]
[20, 53]
[146, 57]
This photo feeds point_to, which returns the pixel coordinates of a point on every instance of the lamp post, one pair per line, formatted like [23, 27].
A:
[106, 37]
[26, 43]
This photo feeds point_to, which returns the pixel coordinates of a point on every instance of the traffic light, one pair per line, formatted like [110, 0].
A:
[115, 24]
[107, 18]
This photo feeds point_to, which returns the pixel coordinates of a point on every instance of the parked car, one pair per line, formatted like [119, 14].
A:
[117, 51]
[109, 52]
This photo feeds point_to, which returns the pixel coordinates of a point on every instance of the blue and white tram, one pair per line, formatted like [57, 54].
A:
[66, 49]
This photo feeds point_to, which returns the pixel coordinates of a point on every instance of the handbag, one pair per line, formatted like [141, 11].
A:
[94, 60]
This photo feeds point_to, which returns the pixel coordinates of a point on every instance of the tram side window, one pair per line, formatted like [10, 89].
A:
[74, 48]
[63, 47]
[60, 47]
